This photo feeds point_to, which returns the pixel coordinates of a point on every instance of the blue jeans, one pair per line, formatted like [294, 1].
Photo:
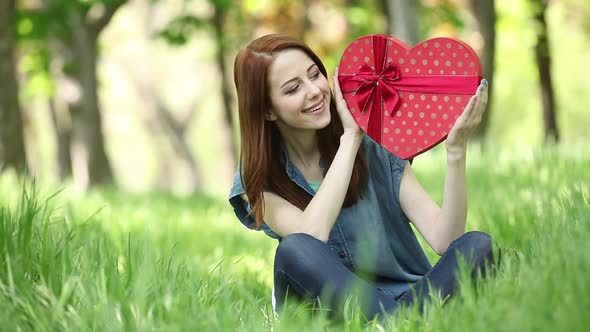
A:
[306, 267]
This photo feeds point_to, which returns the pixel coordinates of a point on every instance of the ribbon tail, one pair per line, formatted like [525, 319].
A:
[390, 99]
[364, 95]
[374, 127]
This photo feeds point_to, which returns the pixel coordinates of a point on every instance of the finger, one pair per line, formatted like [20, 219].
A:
[468, 111]
[479, 98]
[481, 103]
[486, 96]
[337, 90]
[483, 95]
[466, 116]
[341, 105]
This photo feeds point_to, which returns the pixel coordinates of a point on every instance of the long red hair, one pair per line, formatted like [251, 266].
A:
[260, 139]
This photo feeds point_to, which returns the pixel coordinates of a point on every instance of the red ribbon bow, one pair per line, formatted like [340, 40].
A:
[366, 83]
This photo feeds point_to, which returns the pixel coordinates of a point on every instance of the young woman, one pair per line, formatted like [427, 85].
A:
[338, 202]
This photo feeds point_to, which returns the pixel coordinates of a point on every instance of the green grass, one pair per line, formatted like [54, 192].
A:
[113, 261]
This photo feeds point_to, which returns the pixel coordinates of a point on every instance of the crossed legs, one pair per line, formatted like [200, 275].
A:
[306, 267]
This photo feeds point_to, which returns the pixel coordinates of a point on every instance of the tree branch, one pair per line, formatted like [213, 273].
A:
[102, 22]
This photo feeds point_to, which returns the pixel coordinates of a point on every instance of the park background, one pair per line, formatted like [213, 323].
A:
[119, 140]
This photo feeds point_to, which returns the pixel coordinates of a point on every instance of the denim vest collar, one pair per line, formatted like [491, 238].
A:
[294, 173]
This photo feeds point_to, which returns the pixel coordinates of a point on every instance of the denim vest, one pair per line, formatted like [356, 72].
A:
[372, 237]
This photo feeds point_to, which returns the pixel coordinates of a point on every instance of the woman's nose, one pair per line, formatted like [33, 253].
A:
[313, 90]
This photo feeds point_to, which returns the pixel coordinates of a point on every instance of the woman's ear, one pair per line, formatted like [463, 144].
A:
[270, 116]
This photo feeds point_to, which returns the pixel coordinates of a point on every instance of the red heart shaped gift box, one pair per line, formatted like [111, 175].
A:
[407, 99]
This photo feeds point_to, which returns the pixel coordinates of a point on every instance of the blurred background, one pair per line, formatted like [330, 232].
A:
[139, 94]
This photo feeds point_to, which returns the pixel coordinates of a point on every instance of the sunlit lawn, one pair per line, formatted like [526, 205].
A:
[111, 261]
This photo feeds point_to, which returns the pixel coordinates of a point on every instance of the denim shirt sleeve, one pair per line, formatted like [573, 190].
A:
[242, 208]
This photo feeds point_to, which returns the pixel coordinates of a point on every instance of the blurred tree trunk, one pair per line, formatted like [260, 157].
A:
[165, 129]
[543, 59]
[403, 18]
[164, 158]
[12, 147]
[178, 129]
[63, 135]
[218, 26]
[59, 106]
[90, 162]
[163, 126]
[485, 14]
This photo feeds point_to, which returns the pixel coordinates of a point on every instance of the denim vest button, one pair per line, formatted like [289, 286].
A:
[342, 254]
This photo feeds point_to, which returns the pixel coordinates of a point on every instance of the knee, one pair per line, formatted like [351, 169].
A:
[294, 248]
[478, 244]
[295, 242]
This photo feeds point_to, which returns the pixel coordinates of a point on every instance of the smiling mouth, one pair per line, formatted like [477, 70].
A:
[316, 107]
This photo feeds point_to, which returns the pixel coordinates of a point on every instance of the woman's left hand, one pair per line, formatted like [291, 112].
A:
[466, 124]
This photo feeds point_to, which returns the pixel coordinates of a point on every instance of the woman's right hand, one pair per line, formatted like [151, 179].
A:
[350, 126]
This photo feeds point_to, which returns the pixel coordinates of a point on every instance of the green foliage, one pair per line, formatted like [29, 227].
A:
[363, 20]
[223, 5]
[441, 12]
[34, 30]
[52, 19]
[181, 28]
[113, 261]
[35, 65]
[45, 30]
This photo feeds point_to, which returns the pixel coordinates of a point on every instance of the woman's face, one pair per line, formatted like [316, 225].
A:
[300, 94]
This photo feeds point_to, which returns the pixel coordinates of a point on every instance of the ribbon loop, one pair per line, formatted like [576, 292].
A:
[366, 80]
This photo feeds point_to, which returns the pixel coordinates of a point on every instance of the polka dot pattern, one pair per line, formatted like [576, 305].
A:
[419, 121]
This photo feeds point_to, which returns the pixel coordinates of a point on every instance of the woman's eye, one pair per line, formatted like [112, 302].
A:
[315, 75]
[293, 89]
